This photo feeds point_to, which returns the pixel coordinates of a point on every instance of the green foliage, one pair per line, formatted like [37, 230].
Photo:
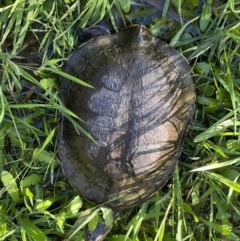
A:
[10, 185]
[201, 202]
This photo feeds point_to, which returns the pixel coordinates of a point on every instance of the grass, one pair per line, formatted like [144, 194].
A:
[200, 202]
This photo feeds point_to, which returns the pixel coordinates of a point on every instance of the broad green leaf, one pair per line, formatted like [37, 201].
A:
[74, 206]
[27, 192]
[43, 155]
[49, 82]
[107, 216]
[46, 203]
[33, 231]
[202, 68]
[10, 184]
[61, 218]
[125, 5]
[195, 198]
[93, 223]
[208, 90]
[30, 180]
[205, 17]
[222, 95]
[210, 109]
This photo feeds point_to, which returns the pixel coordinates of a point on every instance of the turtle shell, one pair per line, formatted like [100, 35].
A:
[138, 112]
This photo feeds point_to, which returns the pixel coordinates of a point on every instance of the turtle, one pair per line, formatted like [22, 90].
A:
[138, 110]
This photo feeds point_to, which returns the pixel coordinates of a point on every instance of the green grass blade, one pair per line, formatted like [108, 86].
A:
[11, 185]
[231, 184]
[217, 165]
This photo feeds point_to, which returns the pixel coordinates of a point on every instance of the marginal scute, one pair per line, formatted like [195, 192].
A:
[138, 113]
